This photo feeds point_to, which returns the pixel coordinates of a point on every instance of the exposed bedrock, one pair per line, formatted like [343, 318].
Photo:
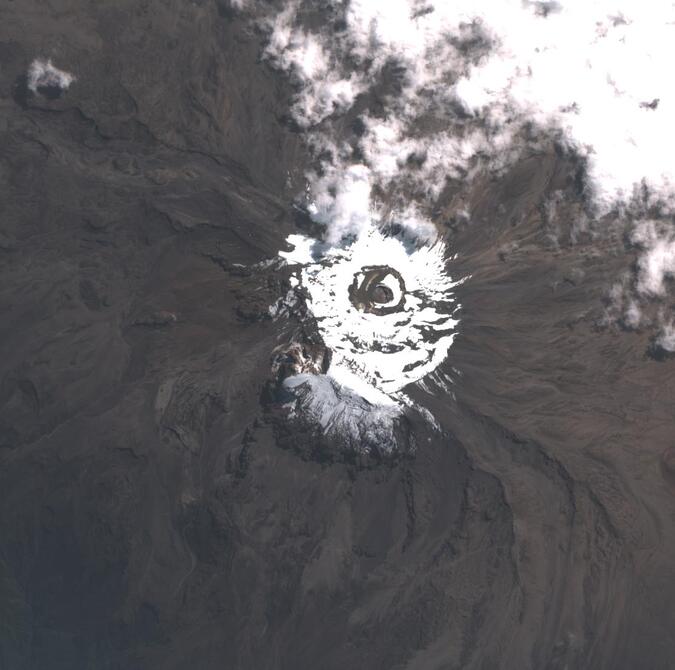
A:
[300, 358]
[377, 289]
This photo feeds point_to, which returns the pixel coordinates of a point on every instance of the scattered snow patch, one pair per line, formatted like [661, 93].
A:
[339, 411]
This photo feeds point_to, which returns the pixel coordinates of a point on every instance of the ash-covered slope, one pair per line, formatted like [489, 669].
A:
[158, 509]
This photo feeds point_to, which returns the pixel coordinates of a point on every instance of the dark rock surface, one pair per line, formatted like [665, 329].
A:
[369, 295]
[149, 515]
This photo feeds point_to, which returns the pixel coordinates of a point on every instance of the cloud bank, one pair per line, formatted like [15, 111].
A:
[594, 74]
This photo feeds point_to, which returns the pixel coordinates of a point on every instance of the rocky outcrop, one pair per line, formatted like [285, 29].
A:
[299, 359]
[370, 291]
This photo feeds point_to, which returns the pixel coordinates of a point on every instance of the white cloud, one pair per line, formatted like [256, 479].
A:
[666, 338]
[639, 298]
[633, 314]
[597, 73]
[341, 201]
[43, 74]
[657, 262]
[324, 90]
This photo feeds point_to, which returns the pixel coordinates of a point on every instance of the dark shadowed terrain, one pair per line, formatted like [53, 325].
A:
[157, 512]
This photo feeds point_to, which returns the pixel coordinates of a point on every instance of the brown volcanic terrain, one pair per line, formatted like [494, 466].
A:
[154, 513]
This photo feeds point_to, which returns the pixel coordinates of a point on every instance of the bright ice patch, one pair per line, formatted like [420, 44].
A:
[411, 328]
